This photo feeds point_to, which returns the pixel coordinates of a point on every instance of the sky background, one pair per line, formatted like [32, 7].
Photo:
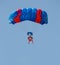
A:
[14, 47]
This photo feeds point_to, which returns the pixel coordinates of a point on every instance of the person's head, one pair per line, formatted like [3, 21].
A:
[29, 33]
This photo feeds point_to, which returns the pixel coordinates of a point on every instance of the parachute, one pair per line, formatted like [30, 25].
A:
[31, 14]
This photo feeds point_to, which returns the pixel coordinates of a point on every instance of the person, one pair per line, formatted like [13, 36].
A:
[30, 37]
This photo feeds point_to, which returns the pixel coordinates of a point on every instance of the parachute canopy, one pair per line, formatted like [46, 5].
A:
[31, 14]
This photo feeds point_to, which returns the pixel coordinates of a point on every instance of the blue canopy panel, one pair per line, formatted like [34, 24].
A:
[12, 17]
[44, 18]
[33, 15]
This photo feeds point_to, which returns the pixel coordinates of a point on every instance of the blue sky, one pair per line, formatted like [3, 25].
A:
[14, 47]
